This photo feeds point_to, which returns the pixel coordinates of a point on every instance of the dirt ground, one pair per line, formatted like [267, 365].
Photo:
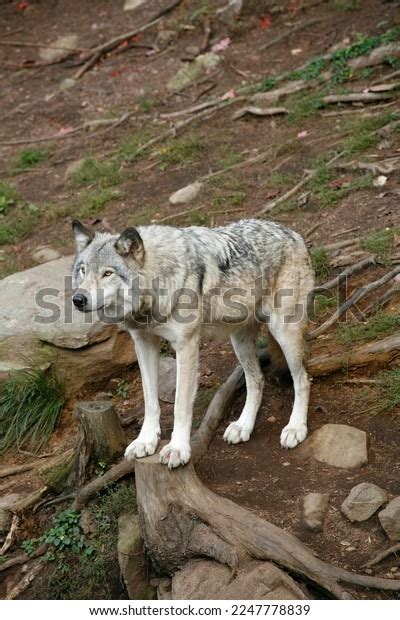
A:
[36, 102]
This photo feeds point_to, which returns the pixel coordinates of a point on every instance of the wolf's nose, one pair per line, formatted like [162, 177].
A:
[79, 301]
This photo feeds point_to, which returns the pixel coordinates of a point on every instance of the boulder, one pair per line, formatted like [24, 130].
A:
[390, 519]
[363, 500]
[338, 445]
[315, 506]
[39, 323]
[131, 557]
[193, 71]
[60, 48]
[167, 379]
[44, 254]
[209, 580]
[186, 194]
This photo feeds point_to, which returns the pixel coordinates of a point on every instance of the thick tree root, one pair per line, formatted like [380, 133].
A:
[182, 519]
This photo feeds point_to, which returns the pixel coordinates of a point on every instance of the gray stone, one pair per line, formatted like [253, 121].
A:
[363, 500]
[167, 379]
[315, 506]
[73, 167]
[339, 445]
[193, 71]
[60, 48]
[130, 5]
[57, 335]
[206, 579]
[67, 83]
[390, 519]
[186, 194]
[44, 254]
[131, 557]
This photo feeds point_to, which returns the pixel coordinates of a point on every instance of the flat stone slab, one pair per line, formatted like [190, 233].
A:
[338, 445]
[363, 501]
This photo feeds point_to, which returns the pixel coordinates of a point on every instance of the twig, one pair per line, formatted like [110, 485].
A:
[98, 51]
[288, 33]
[385, 166]
[346, 232]
[338, 245]
[361, 381]
[366, 262]
[379, 303]
[312, 230]
[355, 97]
[357, 295]
[258, 112]
[382, 555]
[389, 76]
[274, 203]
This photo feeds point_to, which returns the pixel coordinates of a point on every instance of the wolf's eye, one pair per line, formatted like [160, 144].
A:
[82, 270]
[107, 274]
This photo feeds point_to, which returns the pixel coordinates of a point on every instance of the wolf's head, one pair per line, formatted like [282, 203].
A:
[105, 269]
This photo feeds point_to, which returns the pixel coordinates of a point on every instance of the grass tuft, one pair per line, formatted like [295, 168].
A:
[93, 171]
[179, 151]
[8, 197]
[30, 405]
[389, 385]
[376, 327]
[319, 259]
[380, 242]
[304, 106]
[29, 158]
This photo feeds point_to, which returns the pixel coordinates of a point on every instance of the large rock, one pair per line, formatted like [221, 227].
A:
[167, 379]
[390, 519]
[207, 580]
[39, 324]
[339, 445]
[193, 71]
[60, 48]
[186, 194]
[315, 506]
[131, 557]
[363, 500]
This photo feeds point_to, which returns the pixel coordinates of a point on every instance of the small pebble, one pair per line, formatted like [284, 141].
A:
[271, 419]
[286, 464]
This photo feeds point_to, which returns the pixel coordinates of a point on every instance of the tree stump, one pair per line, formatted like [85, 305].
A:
[183, 520]
[101, 438]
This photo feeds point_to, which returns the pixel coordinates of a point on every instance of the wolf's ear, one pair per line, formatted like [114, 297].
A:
[130, 244]
[83, 236]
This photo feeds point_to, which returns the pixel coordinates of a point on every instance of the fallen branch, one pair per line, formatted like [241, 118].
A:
[291, 192]
[116, 472]
[309, 233]
[23, 558]
[77, 50]
[382, 352]
[383, 300]
[9, 541]
[17, 469]
[259, 112]
[366, 262]
[383, 555]
[25, 582]
[356, 97]
[355, 297]
[102, 49]
[28, 501]
[384, 166]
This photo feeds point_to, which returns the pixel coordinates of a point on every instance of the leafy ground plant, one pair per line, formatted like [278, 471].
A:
[30, 405]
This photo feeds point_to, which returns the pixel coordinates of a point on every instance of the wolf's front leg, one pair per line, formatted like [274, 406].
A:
[177, 452]
[148, 353]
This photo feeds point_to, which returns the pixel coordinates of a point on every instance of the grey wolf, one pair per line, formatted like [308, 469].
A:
[182, 284]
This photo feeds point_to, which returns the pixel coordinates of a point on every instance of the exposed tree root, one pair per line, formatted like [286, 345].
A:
[116, 472]
[25, 582]
[22, 558]
[182, 519]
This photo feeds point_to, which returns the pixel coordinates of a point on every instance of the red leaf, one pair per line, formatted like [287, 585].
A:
[265, 21]
[115, 73]
[21, 6]
[136, 38]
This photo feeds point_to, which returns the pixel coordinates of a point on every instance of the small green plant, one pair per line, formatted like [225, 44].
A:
[8, 197]
[319, 259]
[94, 202]
[267, 84]
[380, 242]
[28, 158]
[377, 326]
[145, 104]
[93, 171]
[29, 546]
[279, 180]
[129, 149]
[179, 151]
[325, 301]
[67, 534]
[304, 106]
[122, 388]
[30, 405]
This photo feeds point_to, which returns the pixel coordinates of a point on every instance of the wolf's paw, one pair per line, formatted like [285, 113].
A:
[174, 455]
[291, 436]
[235, 433]
[142, 447]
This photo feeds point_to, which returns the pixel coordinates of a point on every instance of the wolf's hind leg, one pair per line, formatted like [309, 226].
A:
[245, 349]
[148, 353]
[290, 338]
